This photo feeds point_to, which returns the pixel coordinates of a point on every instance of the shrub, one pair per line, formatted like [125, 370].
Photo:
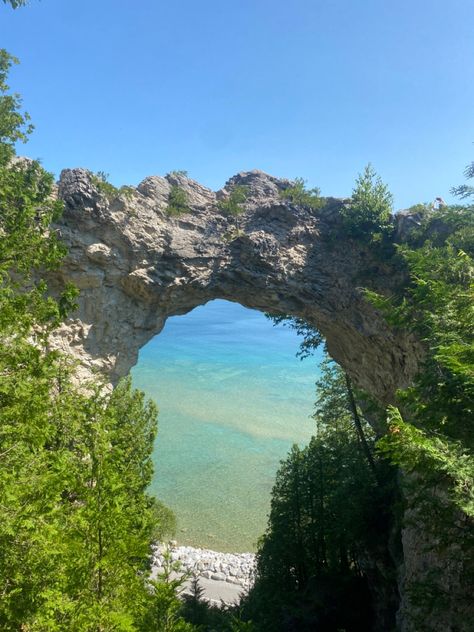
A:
[177, 201]
[100, 180]
[178, 172]
[234, 204]
[299, 195]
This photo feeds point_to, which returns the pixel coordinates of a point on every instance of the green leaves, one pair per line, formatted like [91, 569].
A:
[439, 307]
[430, 454]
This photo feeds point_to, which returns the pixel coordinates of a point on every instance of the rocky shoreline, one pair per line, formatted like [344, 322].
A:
[234, 568]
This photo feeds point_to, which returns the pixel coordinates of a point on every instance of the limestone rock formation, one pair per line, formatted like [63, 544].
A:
[136, 265]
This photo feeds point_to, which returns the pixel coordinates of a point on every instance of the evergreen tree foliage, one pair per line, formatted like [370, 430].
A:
[368, 216]
[438, 307]
[327, 512]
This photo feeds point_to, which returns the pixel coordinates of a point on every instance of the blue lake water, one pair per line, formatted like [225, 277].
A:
[233, 398]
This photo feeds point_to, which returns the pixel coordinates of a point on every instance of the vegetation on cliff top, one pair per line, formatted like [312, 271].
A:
[299, 195]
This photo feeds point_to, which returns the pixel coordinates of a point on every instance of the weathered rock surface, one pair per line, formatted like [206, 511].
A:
[135, 266]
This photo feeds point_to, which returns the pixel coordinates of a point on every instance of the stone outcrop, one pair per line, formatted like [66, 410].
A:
[135, 266]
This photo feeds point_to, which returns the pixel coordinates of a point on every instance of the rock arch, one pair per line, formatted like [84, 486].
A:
[135, 265]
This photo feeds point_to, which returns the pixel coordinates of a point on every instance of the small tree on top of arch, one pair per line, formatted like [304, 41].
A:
[370, 210]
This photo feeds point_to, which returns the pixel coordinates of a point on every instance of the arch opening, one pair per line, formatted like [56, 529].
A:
[233, 398]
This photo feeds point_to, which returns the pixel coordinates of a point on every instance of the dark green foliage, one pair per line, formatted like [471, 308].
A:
[177, 201]
[212, 618]
[234, 204]
[438, 307]
[299, 195]
[368, 216]
[327, 513]
[305, 557]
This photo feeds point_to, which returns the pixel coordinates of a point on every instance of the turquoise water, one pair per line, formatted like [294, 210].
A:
[233, 398]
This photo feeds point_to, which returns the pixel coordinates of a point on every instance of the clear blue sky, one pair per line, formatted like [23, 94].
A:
[311, 88]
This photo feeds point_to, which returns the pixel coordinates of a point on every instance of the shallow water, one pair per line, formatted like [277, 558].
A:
[233, 398]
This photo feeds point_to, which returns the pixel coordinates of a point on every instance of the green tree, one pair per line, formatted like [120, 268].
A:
[328, 512]
[368, 216]
[29, 480]
[234, 205]
[307, 564]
